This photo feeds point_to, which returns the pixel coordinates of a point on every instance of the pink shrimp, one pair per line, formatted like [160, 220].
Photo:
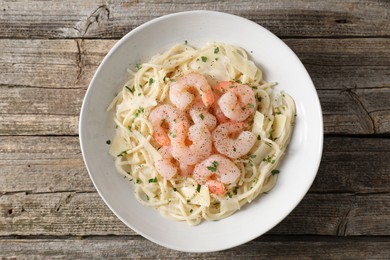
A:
[216, 171]
[199, 149]
[167, 116]
[165, 166]
[225, 142]
[200, 115]
[182, 91]
[168, 167]
[237, 101]
[221, 118]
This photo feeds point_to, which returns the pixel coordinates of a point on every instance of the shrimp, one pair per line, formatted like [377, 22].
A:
[233, 147]
[168, 167]
[199, 149]
[221, 118]
[186, 170]
[237, 102]
[167, 116]
[165, 166]
[200, 115]
[216, 171]
[182, 91]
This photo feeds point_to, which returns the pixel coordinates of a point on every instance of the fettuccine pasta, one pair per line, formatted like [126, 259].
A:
[182, 196]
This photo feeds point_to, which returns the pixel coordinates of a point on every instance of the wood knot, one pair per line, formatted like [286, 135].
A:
[341, 21]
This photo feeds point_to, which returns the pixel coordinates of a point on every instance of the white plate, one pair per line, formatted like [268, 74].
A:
[278, 63]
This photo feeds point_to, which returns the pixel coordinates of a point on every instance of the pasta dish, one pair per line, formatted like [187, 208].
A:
[199, 132]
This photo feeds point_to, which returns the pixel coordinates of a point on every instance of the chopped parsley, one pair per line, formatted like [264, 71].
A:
[108, 142]
[197, 189]
[214, 166]
[162, 121]
[251, 105]
[153, 180]
[174, 189]
[234, 149]
[147, 197]
[243, 108]
[204, 58]
[216, 50]
[130, 89]
[239, 81]
[129, 173]
[138, 181]
[191, 210]
[151, 80]
[273, 172]
[254, 87]
[138, 66]
[229, 195]
[258, 137]
[139, 94]
[140, 110]
[201, 116]
[253, 156]
[164, 78]
[231, 86]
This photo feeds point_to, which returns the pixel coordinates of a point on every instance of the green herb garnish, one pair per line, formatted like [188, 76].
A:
[273, 172]
[214, 166]
[151, 80]
[197, 189]
[108, 142]
[153, 180]
[130, 89]
[216, 50]
[201, 116]
[204, 58]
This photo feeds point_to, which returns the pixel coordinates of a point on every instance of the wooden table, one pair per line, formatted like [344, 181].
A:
[49, 51]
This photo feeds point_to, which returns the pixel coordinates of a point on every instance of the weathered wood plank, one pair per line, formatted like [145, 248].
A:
[40, 101]
[52, 164]
[266, 247]
[113, 19]
[30, 111]
[36, 67]
[50, 63]
[363, 111]
[71, 213]
[345, 63]
[332, 63]
[38, 125]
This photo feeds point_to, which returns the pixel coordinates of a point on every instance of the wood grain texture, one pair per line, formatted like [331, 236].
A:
[54, 164]
[354, 99]
[72, 213]
[75, 19]
[266, 247]
[54, 195]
